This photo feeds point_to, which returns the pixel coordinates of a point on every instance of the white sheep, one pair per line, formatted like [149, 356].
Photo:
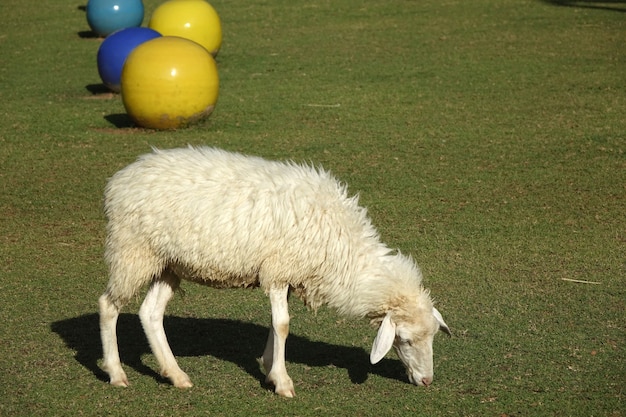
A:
[229, 220]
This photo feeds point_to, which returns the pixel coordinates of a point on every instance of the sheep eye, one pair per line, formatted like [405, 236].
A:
[406, 341]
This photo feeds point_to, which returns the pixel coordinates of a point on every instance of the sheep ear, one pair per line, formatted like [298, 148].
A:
[384, 339]
[442, 324]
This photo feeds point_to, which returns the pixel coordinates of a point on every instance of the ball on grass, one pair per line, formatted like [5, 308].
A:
[196, 20]
[169, 82]
[115, 49]
[107, 16]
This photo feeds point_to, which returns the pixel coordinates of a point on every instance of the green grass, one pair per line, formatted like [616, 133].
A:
[487, 139]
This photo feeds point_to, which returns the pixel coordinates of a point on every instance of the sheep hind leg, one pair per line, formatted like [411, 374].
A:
[273, 358]
[109, 313]
[151, 314]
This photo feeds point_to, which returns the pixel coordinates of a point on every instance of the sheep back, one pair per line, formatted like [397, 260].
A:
[226, 219]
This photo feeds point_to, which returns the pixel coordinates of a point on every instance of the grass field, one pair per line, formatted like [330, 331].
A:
[487, 139]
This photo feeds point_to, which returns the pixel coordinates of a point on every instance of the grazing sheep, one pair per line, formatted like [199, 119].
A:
[228, 220]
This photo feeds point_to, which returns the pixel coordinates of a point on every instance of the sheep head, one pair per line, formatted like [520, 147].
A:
[412, 338]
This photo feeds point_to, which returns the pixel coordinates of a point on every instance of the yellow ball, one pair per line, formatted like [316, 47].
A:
[196, 20]
[169, 82]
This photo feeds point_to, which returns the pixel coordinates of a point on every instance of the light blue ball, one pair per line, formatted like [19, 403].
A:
[107, 16]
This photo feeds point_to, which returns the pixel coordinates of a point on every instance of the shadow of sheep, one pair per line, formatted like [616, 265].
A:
[230, 340]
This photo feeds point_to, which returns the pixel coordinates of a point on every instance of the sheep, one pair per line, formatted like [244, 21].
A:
[228, 220]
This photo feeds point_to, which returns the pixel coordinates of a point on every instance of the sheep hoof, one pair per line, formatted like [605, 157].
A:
[122, 382]
[178, 378]
[117, 376]
[283, 388]
[182, 382]
[287, 393]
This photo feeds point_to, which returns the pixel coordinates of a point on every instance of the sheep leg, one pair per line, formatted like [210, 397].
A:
[151, 314]
[109, 313]
[273, 359]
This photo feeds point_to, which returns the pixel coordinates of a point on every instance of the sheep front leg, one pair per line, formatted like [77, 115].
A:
[151, 315]
[273, 359]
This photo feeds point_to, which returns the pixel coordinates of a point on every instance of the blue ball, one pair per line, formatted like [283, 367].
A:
[115, 49]
[107, 16]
